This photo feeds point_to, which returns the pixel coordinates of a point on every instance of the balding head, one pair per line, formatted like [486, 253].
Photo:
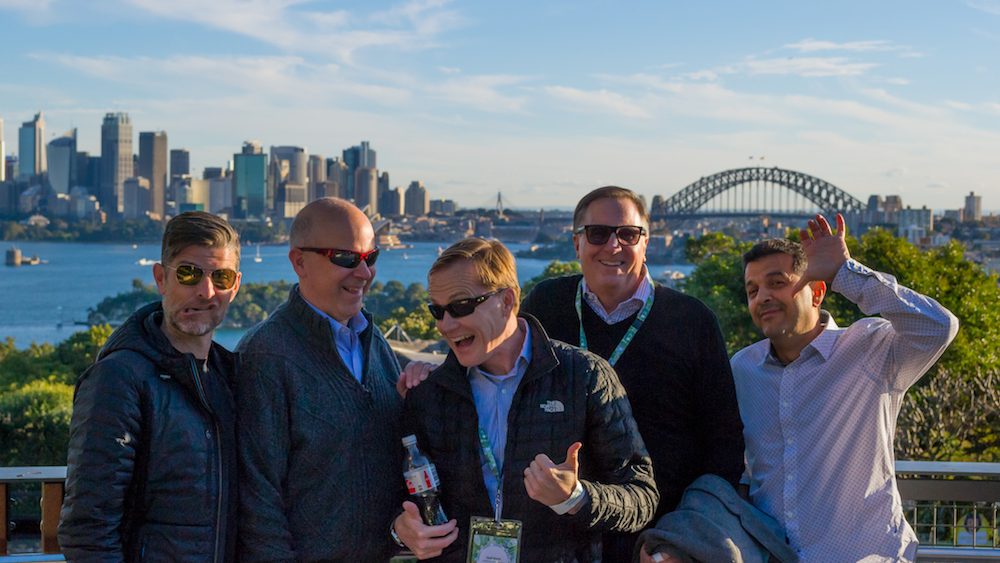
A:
[326, 217]
[324, 224]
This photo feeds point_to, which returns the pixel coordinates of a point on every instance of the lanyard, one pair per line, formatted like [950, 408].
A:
[627, 339]
[484, 443]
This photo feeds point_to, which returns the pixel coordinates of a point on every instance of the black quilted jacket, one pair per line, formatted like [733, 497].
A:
[151, 471]
[616, 471]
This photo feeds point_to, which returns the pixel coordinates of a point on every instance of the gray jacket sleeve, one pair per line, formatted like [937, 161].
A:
[105, 435]
[622, 495]
[264, 447]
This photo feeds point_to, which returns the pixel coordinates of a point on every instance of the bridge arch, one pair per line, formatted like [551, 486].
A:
[828, 198]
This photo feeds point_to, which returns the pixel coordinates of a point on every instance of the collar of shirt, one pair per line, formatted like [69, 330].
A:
[347, 340]
[823, 343]
[626, 308]
[358, 323]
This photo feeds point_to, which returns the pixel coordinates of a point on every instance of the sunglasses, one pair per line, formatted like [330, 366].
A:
[346, 258]
[461, 307]
[627, 235]
[189, 274]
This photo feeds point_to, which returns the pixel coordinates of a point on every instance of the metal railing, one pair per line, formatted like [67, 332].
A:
[937, 497]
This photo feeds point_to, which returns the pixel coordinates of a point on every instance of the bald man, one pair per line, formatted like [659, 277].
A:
[318, 407]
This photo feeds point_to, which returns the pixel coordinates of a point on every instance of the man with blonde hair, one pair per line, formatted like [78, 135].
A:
[505, 404]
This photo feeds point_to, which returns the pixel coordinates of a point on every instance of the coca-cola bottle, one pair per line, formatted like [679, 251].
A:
[423, 483]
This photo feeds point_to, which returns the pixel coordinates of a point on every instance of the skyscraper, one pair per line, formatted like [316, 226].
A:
[359, 156]
[63, 162]
[31, 148]
[116, 161]
[180, 162]
[366, 189]
[973, 207]
[153, 167]
[415, 200]
[3, 155]
[250, 182]
[317, 176]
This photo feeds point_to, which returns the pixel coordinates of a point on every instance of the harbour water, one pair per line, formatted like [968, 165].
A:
[40, 303]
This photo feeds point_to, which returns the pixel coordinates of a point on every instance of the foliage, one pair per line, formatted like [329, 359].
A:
[255, 302]
[34, 424]
[86, 231]
[394, 303]
[114, 310]
[555, 269]
[951, 418]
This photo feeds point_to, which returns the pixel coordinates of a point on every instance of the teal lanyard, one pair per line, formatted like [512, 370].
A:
[627, 339]
[484, 443]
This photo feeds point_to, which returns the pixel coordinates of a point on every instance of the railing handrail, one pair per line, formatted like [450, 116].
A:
[963, 468]
[38, 474]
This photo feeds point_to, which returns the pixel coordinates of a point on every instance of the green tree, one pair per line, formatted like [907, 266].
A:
[555, 269]
[34, 423]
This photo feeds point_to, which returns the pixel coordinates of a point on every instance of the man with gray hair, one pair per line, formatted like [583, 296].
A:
[151, 470]
[318, 405]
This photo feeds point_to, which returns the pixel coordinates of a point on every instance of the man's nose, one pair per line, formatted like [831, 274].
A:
[364, 271]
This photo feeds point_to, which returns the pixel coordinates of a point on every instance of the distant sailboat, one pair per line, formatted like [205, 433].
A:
[257, 257]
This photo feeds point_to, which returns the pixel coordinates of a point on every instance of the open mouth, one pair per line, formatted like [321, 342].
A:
[464, 342]
[612, 263]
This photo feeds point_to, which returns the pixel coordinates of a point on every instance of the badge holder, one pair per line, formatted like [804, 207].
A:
[494, 541]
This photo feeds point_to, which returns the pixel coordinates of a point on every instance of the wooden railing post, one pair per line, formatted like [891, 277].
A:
[4, 525]
[52, 498]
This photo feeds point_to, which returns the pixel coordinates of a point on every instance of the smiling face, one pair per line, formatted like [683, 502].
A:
[613, 271]
[778, 312]
[477, 339]
[192, 312]
[335, 290]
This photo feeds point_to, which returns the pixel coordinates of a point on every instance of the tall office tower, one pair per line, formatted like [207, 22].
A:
[31, 148]
[366, 189]
[358, 156]
[62, 162]
[289, 165]
[317, 176]
[180, 162]
[3, 154]
[391, 203]
[383, 184]
[153, 166]
[416, 201]
[136, 198]
[88, 172]
[289, 198]
[336, 172]
[220, 194]
[973, 207]
[116, 161]
[213, 172]
[10, 166]
[250, 189]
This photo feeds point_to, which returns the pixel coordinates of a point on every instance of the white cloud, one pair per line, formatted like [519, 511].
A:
[483, 92]
[991, 7]
[807, 66]
[813, 45]
[603, 101]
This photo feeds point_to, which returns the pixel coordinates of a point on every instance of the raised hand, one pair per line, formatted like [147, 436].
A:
[413, 374]
[825, 250]
[552, 484]
[423, 540]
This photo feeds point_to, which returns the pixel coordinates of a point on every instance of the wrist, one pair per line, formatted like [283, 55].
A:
[574, 499]
[394, 535]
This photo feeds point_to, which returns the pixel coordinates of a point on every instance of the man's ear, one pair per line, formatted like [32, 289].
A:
[818, 292]
[295, 257]
[159, 275]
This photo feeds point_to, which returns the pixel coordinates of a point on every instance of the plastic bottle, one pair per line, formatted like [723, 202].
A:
[423, 484]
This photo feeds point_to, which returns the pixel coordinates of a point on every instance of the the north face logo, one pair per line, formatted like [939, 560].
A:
[552, 406]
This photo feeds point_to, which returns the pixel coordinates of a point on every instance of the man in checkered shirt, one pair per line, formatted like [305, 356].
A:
[819, 402]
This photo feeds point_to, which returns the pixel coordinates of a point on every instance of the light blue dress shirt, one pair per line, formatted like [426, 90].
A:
[493, 396]
[347, 339]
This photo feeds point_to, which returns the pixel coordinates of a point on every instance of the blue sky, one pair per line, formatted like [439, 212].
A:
[539, 100]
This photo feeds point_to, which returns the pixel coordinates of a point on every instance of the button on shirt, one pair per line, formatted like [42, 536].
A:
[493, 396]
[626, 308]
[819, 431]
[347, 340]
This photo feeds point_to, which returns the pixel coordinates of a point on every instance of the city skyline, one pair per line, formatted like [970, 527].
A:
[540, 102]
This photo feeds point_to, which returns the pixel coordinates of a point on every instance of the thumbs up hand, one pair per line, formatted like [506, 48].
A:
[552, 484]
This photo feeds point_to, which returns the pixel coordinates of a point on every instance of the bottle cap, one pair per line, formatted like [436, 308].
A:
[409, 440]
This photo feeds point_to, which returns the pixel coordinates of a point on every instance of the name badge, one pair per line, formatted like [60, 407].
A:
[494, 541]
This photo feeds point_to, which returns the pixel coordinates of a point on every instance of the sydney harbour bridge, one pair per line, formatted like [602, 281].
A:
[755, 191]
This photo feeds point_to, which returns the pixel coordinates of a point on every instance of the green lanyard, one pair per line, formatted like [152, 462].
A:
[627, 339]
[484, 443]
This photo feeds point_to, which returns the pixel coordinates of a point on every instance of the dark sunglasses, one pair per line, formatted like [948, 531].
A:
[461, 307]
[627, 235]
[346, 258]
[189, 274]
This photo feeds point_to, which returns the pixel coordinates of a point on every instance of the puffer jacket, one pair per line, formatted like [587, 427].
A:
[151, 470]
[566, 395]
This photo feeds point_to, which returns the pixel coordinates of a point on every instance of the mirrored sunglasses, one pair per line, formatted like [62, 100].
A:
[346, 258]
[461, 307]
[189, 274]
[627, 235]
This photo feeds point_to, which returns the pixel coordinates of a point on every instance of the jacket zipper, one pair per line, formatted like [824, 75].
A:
[218, 455]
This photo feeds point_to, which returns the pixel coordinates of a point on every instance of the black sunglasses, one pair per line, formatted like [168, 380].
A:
[627, 235]
[189, 274]
[346, 258]
[461, 307]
